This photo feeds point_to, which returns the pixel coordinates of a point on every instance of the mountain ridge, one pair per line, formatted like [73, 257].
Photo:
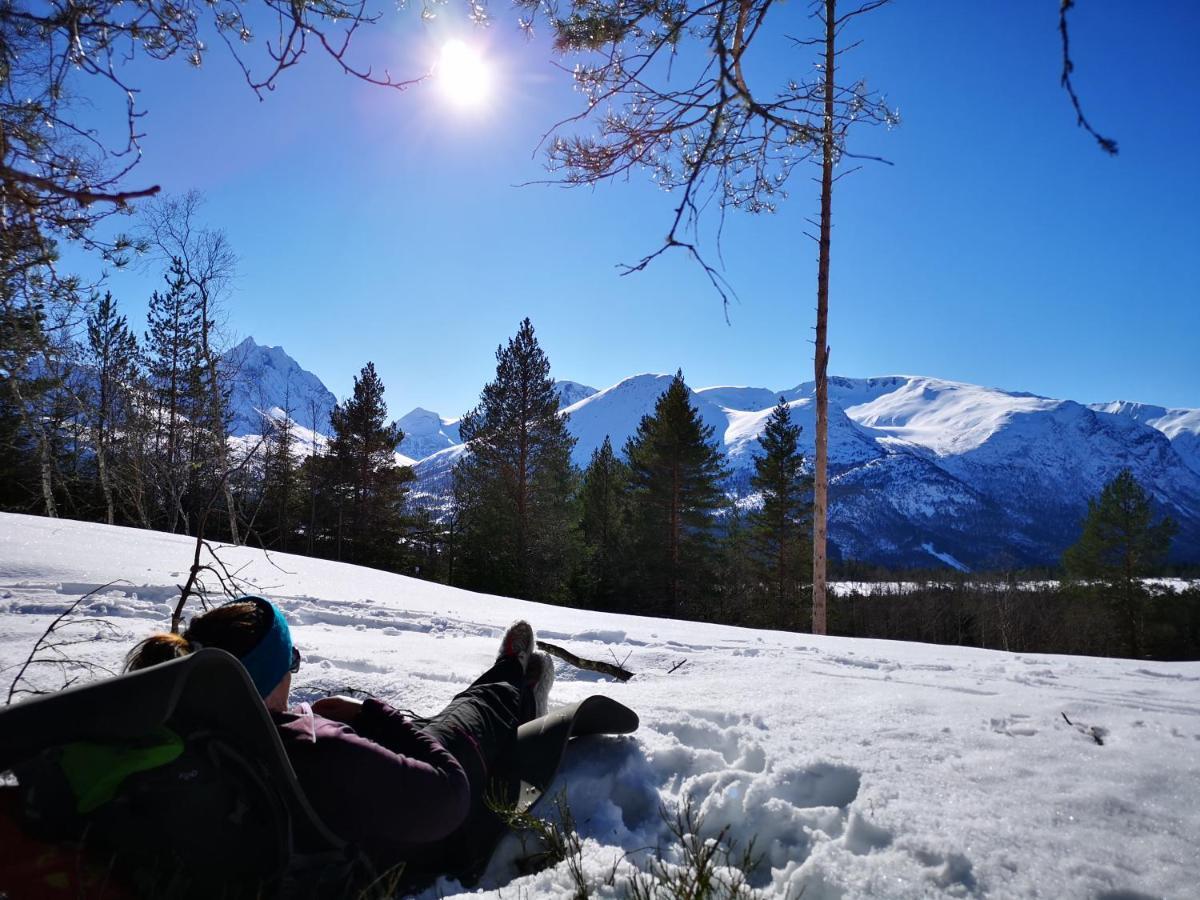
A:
[921, 469]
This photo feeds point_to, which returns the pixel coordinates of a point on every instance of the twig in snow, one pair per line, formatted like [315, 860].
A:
[1095, 732]
[677, 665]
[620, 662]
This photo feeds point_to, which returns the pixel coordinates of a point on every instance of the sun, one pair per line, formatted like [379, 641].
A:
[462, 74]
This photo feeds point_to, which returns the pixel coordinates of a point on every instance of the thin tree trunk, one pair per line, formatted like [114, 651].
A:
[47, 473]
[674, 542]
[33, 423]
[523, 574]
[821, 356]
[102, 438]
[105, 486]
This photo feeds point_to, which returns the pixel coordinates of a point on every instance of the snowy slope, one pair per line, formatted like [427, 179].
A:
[263, 378]
[863, 768]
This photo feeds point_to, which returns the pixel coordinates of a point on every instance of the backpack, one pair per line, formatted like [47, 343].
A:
[174, 779]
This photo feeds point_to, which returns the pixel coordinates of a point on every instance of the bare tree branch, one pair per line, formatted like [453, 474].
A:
[591, 665]
[49, 644]
[1108, 145]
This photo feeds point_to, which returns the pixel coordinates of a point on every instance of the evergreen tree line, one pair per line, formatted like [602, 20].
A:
[127, 429]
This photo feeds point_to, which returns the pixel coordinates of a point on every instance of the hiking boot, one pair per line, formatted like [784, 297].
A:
[539, 678]
[519, 641]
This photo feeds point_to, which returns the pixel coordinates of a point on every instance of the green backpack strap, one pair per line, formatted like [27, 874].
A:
[95, 771]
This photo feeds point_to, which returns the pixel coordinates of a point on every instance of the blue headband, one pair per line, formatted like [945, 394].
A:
[272, 658]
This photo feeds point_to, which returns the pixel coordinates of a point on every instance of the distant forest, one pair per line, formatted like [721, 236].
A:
[101, 423]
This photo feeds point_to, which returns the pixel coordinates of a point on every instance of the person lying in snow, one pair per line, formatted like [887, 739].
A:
[390, 784]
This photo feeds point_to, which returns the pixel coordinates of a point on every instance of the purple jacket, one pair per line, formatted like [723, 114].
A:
[382, 784]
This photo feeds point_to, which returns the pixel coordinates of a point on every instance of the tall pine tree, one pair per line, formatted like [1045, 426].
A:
[782, 523]
[174, 368]
[513, 490]
[113, 356]
[675, 476]
[1121, 543]
[364, 486]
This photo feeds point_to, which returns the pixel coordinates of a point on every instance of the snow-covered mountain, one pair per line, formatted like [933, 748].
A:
[570, 392]
[265, 378]
[1181, 426]
[425, 433]
[924, 471]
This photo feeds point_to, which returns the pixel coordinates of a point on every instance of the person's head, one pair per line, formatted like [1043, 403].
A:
[251, 628]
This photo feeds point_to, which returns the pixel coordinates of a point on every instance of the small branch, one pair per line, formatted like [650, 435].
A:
[677, 666]
[1108, 145]
[619, 662]
[83, 197]
[43, 643]
[590, 664]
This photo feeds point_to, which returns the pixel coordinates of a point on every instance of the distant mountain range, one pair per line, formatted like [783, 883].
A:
[924, 472]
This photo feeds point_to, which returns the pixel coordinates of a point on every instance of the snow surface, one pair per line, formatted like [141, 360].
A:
[862, 768]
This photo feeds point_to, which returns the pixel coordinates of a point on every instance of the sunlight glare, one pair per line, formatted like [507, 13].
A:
[464, 79]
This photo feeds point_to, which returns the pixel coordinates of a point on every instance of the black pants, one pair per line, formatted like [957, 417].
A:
[479, 726]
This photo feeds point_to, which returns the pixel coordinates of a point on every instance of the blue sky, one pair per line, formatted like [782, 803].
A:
[1001, 248]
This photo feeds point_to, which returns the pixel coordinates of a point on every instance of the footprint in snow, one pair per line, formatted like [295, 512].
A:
[1013, 725]
[952, 872]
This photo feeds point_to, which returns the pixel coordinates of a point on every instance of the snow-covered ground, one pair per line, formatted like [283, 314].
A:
[861, 768]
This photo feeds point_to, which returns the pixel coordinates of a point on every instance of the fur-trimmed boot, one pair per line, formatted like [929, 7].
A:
[539, 676]
[518, 641]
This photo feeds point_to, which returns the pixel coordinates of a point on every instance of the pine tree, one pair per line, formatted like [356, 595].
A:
[22, 389]
[1121, 543]
[675, 475]
[604, 512]
[278, 515]
[781, 524]
[173, 368]
[37, 404]
[513, 490]
[113, 354]
[363, 481]
[739, 594]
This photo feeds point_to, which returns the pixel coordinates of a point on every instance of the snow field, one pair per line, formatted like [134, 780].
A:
[859, 768]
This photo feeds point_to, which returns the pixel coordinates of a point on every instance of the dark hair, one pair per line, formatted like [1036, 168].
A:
[235, 628]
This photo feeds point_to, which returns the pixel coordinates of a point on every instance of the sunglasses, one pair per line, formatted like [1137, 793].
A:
[295, 666]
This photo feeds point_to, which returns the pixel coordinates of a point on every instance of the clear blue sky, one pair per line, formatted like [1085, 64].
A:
[1002, 248]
